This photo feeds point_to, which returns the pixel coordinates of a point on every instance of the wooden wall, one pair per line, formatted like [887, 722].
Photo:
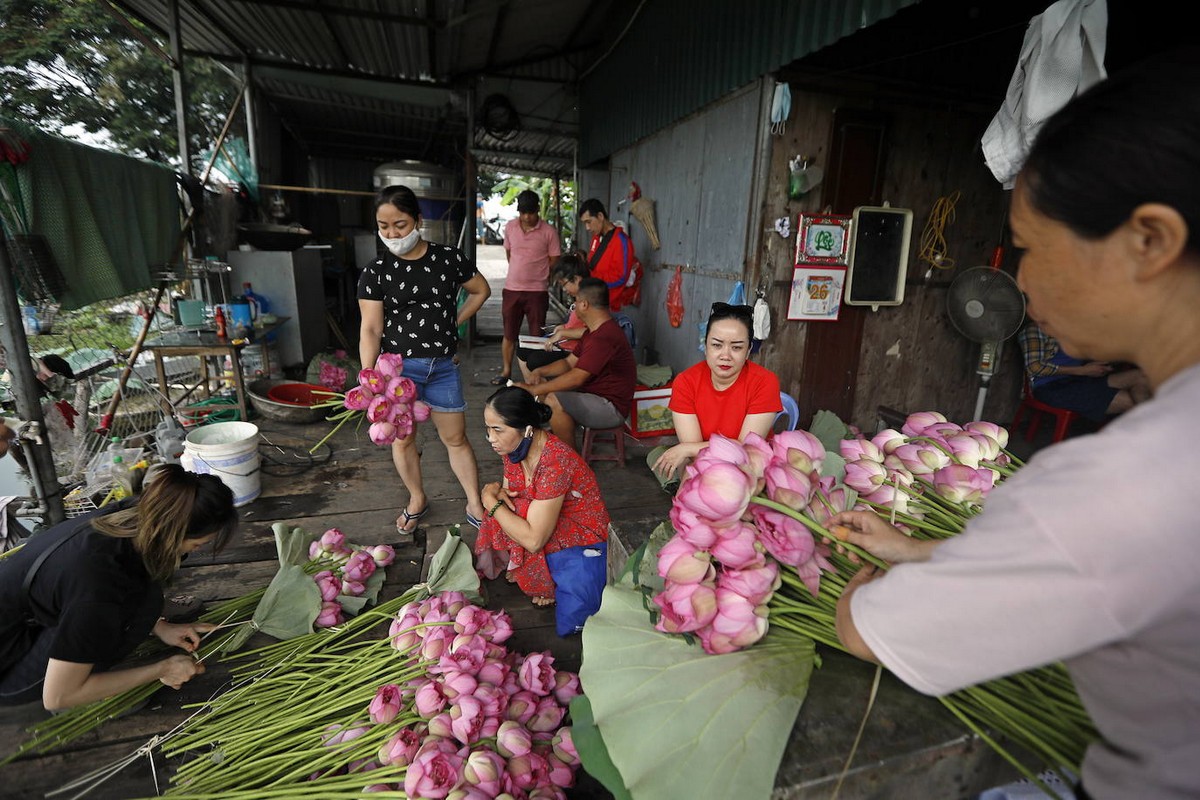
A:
[912, 358]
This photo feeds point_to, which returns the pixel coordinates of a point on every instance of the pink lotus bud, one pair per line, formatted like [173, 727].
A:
[740, 619]
[891, 497]
[358, 398]
[719, 494]
[738, 547]
[484, 769]
[329, 585]
[854, 449]
[542, 793]
[377, 787]
[680, 562]
[430, 699]
[536, 673]
[386, 704]
[686, 606]
[512, 739]
[916, 423]
[389, 365]
[989, 429]
[566, 686]
[864, 476]
[528, 771]
[783, 537]
[383, 554]
[472, 793]
[338, 734]
[810, 571]
[359, 567]
[758, 454]
[472, 619]
[564, 747]
[441, 725]
[432, 774]
[456, 683]
[333, 540]
[372, 381]
[888, 440]
[790, 485]
[378, 409]
[420, 411]
[966, 449]
[799, 449]
[828, 501]
[547, 716]
[400, 749]
[494, 671]
[521, 706]
[690, 526]
[960, 484]
[757, 584]
[353, 588]
[330, 615]
[922, 459]
[466, 719]
[560, 773]
[436, 641]
[382, 433]
[315, 551]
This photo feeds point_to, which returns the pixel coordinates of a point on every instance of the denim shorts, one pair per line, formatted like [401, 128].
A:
[438, 382]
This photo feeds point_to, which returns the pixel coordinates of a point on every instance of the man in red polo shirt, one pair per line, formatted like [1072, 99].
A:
[533, 250]
[610, 256]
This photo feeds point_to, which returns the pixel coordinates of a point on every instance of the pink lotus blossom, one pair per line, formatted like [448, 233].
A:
[389, 365]
[378, 409]
[382, 554]
[401, 390]
[888, 439]
[466, 652]
[386, 704]
[679, 561]
[686, 606]
[403, 633]
[472, 619]
[435, 641]
[854, 449]
[784, 537]
[799, 449]
[400, 749]
[430, 699]
[420, 410]
[916, 423]
[827, 501]
[456, 683]
[372, 380]
[566, 686]
[404, 425]
[382, 433]
[358, 398]
[990, 429]
[738, 547]
[484, 770]
[330, 615]
[725, 450]
[962, 484]
[564, 747]
[719, 493]
[528, 771]
[493, 699]
[788, 485]
[432, 774]
[329, 586]
[536, 673]
[548, 715]
[810, 571]
[757, 584]
[359, 567]
[467, 719]
[864, 476]
[332, 377]
[494, 671]
[353, 588]
[513, 739]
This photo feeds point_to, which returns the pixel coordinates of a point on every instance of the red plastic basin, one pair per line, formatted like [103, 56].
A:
[300, 394]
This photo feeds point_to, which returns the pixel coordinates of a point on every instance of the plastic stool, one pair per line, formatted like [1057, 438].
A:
[1063, 418]
[615, 435]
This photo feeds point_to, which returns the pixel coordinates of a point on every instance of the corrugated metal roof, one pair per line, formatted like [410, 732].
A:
[680, 55]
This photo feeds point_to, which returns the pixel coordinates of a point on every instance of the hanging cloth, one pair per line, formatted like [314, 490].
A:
[762, 319]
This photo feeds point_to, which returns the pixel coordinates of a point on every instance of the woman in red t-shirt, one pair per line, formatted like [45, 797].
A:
[548, 500]
[725, 393]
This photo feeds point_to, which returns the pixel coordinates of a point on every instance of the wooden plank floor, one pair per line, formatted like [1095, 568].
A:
[354, 488]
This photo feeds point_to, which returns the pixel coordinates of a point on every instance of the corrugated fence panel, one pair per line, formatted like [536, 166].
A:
[678, 56]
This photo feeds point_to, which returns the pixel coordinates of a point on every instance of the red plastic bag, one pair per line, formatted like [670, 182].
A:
[675, 299]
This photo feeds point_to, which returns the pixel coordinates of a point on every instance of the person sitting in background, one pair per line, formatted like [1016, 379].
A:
[594, 386]
[548, 500]
[610, 254]
[78, 598]
[726, 393]
[564, 339]
[1093, 389]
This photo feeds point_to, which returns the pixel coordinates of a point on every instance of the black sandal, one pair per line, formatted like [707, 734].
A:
[501, 380]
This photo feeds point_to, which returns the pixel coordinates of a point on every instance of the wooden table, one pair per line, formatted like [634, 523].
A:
[206, 344]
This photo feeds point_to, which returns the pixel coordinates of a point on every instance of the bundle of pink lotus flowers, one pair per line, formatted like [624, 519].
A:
[384, 398]
[438, 708]
[349, 569]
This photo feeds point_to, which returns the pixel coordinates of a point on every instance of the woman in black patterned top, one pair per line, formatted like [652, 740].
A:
[408, 301]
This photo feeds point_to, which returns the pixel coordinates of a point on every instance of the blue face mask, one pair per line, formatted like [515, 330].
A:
[518, 455]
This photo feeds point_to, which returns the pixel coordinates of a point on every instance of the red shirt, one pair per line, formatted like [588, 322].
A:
[754, 391]
[606, 355]
[614, 264]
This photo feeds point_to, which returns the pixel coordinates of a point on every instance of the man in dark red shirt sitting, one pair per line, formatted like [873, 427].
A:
[594, 385]
[610, 255]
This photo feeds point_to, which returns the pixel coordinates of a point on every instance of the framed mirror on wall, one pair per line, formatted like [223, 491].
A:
[878, 259]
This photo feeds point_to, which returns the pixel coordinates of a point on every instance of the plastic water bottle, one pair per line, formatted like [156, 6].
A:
[169, 438]
[258, 304]
[122, 479]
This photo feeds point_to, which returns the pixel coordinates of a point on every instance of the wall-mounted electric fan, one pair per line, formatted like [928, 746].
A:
[986, 306]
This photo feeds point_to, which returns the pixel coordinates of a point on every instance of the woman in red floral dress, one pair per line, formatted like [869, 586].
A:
[548, 501]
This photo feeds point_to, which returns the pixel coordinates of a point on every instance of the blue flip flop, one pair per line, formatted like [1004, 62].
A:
[476, 521]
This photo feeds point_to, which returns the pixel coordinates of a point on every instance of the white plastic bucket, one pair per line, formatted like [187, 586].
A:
[228, 450]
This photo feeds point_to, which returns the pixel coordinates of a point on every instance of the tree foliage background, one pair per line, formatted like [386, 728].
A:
[70, 63]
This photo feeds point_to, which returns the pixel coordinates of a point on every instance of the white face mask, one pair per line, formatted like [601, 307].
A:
[399, 247]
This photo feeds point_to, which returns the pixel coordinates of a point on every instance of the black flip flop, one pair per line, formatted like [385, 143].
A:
[401, 526]
[501, 380]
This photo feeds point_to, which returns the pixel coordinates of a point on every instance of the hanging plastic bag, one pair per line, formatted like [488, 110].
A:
[762, 319]
[737, 297]
[675, 299]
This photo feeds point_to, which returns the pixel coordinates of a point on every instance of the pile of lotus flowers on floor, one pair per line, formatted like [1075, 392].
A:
[384, 398]
[750, 553]
[435, 707]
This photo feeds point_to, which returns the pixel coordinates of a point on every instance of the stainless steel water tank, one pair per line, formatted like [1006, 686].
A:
[436, 189]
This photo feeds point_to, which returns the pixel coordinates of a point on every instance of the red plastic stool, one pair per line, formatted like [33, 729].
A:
[1063, 418]
[614, 435]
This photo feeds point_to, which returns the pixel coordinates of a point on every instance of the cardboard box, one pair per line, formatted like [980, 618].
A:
[650, 415]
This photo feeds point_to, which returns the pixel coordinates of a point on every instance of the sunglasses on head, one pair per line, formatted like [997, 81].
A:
[725, 308]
